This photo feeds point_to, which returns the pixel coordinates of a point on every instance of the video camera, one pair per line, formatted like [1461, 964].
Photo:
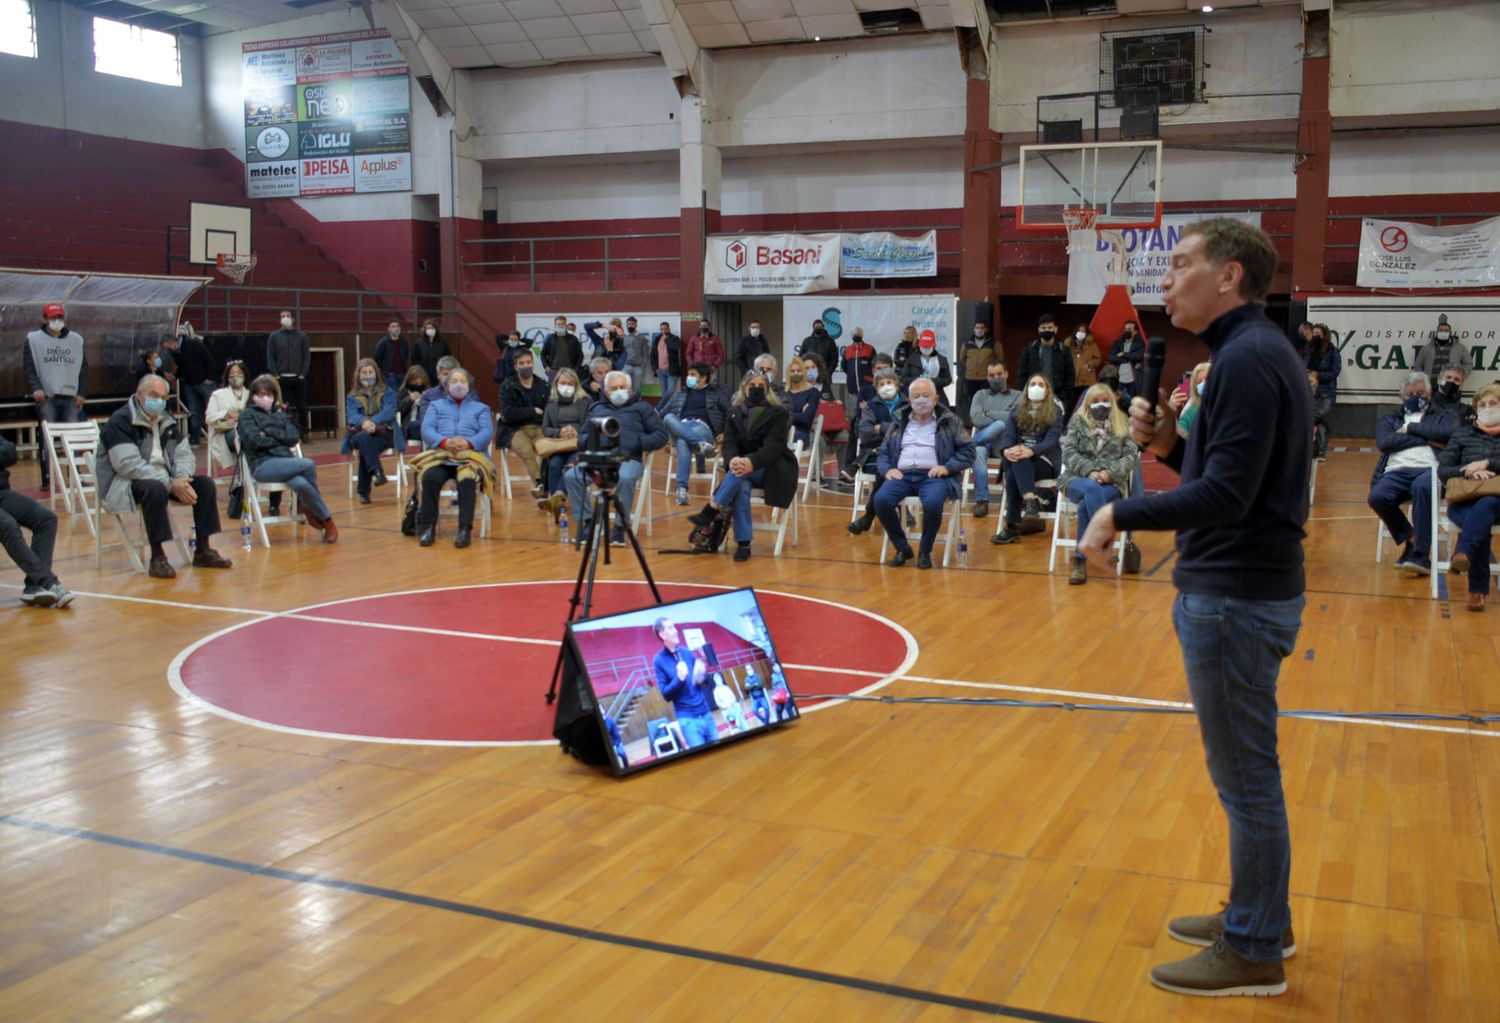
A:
[600, 453]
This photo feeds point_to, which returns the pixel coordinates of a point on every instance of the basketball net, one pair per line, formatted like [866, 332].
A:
[235, 265]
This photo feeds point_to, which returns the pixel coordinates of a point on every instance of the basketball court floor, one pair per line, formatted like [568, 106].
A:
[321, 786]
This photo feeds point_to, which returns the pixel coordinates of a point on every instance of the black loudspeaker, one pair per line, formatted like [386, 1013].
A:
[970, 313]
[1140, 122]
[1055, 132]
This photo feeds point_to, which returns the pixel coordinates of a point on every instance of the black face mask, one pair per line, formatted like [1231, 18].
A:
[1448, 389]
[1048, 335]
[819, 331]
[755, 397]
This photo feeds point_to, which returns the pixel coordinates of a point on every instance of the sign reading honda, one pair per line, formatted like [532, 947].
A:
[309, 115]
[770, 264]
[1395, 254]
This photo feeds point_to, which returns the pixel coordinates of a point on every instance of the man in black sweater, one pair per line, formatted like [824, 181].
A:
[196, 377]
[1238, 513]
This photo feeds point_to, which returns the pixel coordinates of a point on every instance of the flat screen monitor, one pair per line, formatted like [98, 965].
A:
[675, 679]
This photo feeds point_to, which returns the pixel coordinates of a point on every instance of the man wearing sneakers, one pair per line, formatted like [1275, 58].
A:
[1239, 514]
[17, 512]
[694, 416]
[56, 372]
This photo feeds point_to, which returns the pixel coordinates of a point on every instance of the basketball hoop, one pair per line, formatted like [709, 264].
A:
[235, 265]
[1079, 220]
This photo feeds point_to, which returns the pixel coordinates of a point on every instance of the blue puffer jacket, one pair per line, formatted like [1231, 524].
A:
[953, 446]
[470, 419]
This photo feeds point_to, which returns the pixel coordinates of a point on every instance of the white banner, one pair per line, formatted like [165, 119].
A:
[770, 264]
[883, 254]
[1397, 254]
[1379, 338]
[1149, 251]
[881, 319]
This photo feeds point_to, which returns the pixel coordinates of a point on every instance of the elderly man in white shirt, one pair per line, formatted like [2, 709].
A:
[924, 456]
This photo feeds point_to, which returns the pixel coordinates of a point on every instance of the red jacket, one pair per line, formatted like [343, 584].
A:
[708, 350]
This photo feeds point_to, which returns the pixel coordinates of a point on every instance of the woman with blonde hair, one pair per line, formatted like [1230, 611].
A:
[1098, 457]
[370, 412]
[562, 421]
[1030, 446]
[802, 398]
[1187, 408]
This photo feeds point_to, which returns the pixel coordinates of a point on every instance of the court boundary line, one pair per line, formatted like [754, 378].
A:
[548, 926]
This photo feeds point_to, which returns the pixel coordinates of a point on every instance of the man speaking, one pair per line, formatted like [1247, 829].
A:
[1238, 514]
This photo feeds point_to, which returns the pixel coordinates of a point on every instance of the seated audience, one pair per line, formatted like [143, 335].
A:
[597, 369]
[1409, 440]
[1324, 363]
[1473, 453]
[1449, 397]
[523, 404]
[924, 456]
[370, 415]
[562, 421]
[409, 402]
[143, 462]
[1030, 445]
[505, 365]
[1098, 457]
[641, 430]
[223, 415]
[267, 435]
[41, 587]
[989, 411]
[801, 399]
[765, 365]
[930, 364]
[755, 455]
[694, 416]
[447, 364]
[875, 421]
[461, 427]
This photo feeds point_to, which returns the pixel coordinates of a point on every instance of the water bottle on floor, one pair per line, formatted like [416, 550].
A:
[562, 526]
[963, 549]
[193, 539]
[245, 531]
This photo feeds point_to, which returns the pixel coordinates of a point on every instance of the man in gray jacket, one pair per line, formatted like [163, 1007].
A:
[989, 411]
[55, 370]
[288, 359]
[637, 354]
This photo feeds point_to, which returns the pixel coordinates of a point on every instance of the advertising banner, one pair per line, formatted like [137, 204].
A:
[315, 105]
[881, 319]
[882, 254]
[1397, 254]
[1148, 251]
[1379, 338]
[770, 264]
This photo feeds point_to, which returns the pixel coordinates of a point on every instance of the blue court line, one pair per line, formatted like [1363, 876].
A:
[549, 926]
[1157, 567]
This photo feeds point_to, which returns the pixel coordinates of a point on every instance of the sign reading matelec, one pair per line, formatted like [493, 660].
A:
[309, 128]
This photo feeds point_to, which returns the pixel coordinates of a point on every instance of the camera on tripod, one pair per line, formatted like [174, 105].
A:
[601, 456]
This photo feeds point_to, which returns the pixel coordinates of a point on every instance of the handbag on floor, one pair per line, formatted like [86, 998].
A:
[409, 517]
[709, 537]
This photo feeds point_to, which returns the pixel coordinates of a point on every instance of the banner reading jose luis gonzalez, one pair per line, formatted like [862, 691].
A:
[1399, 254]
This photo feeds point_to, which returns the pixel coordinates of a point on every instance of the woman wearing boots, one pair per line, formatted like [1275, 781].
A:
[267, 435]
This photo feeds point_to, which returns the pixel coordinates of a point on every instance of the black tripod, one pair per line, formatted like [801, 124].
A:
[605, 498]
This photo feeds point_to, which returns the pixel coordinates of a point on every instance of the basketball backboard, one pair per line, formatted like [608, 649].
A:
[1122, 180]
[215, 228]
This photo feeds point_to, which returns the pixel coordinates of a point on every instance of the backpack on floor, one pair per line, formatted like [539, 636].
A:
[709, 537]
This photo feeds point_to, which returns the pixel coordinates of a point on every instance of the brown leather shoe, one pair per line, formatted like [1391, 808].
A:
[312, 520]
[1476, 601]
[1206, 929]
[330, 532]
[161, 568]
[207, 557]
[1218, 971]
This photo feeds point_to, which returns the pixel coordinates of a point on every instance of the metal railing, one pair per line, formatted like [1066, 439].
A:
[244, 308]
[606, 260]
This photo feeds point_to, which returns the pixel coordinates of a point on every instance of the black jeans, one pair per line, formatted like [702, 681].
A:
[294, 393]
[152, 497]
[432, 484]
[18, 512]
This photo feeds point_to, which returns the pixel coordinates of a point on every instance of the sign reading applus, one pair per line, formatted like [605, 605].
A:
[326, 115]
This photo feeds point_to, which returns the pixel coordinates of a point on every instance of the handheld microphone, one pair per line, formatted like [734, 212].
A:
[1156, 358]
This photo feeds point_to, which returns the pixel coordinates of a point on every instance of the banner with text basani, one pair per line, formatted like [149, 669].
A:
[1148, 251]
[770, 264]
[1398, 254]
[317, 106]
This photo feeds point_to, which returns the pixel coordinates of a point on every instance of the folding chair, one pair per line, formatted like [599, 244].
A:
[505, 476]
[1065, 538]
[780, 518]
[483, 506]
[1444, 530]
[947, 536]
[713, 461]
[137, 549]
[1041, 485]
[52, 443]
[398, 439]
[80, 454]
[254, 492]
[812, 453]
[865, 484]
[641, 510]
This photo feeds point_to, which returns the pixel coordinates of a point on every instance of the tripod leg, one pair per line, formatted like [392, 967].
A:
[640, 555]
[580, 596]
[598, 538]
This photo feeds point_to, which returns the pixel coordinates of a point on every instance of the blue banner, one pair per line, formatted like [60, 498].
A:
[882, 254]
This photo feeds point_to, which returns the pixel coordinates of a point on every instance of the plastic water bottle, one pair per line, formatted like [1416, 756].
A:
[562, 526]
[245, 531]
[193, 538]
[963, 549]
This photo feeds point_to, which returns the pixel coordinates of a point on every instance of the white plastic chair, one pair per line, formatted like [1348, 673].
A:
[711, 461]
[53, 435]
[80, 452]
[641, 509]
[398, 439]
[780, 518]
[483, 506]
[1064, 521]
[812, 453]
[137, 547]
[1444, 532]
[255, 492]
[948, 536]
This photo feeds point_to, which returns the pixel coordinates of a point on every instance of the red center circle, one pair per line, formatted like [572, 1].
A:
[472, 664]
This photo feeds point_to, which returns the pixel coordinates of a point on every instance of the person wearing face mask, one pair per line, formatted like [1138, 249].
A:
[875, 421]
[990, 411]
[1098, 457]
[975, 355]
[637, 355]
[1473, 453]
[859, 375]
[56, 371]
[523, 405]
[801, 399]
[562, 424]
[1323, 366]
[755, 455]
[1128, 355]
[821, 344]
[924, 455]
[905, 348]
[704, 347]
[149, 362]
[1409, 440]
[195, 379]
[1086, 361]
[1031, 445]
[430, 348]
[223, 415]
[393, 355]
[288, 359]
[370, 412]
[750, 347]
[1192, 398]
[608, 340]
[1449, 395]
[459, 426]
[1441, 351]
[641, 430]
[695, 417]
[409, 402]
[1047, 356]
[765, 366]
[667, 360]
[505, 366]
[927, 363]
[267, 435]
[447, 364]
[143, 462]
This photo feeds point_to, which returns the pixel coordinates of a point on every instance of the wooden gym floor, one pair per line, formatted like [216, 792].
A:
[875, 861]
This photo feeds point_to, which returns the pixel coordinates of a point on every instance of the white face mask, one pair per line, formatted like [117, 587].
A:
[395, 332]
[431, 332]
[1489, 415]
[55, 326]
[566, 390]
[887, 392]
[1036, 392]
[236, 382]
[286, 321]
[1443, 335]
[459, 391]
[1080, 335]
[755, 332]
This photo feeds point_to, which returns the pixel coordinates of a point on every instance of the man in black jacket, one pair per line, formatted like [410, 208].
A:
[18, 512]
[1047, 356]
[1409, 440]
[749, 347]
[1239, 514]
[393, 355]
[561, 350]
[196, 378]
[523, 400]
[288, 359]
[821, 344]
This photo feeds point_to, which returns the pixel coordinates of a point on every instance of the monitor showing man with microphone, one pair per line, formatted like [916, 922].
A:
[1238, 514]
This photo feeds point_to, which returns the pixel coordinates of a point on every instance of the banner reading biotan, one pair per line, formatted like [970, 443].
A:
[1149, 251]
[770, 264]
[1398, 254]
[1379, 338]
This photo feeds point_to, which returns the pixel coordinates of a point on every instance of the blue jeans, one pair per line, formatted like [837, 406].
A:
[576, 483]
[668, 382]
[1474, 520]
[301, 474]
[760, 706]
[59, 409]
[982, 441]
[687, 432]
[931, 491]
[734, 494]
[1414, 485]
[698, 729]
[1232, 650]
[1089, 497]
[555, 466]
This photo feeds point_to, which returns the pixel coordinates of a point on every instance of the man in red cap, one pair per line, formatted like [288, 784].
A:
[55, 372]
[928, 362]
